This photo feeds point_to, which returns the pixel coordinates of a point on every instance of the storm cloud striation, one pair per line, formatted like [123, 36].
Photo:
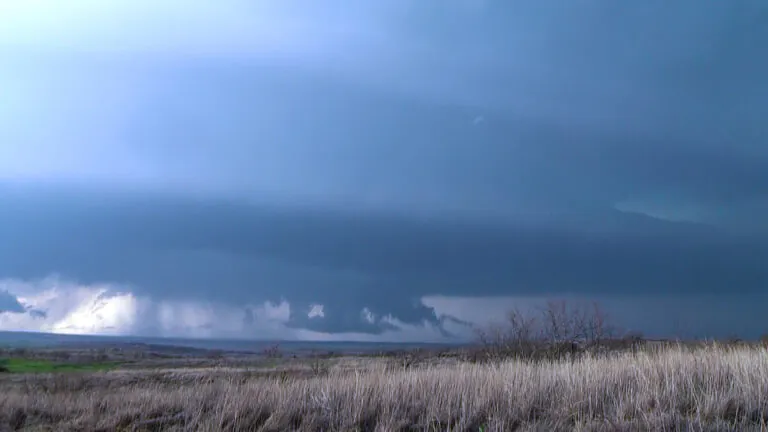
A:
[329, 171]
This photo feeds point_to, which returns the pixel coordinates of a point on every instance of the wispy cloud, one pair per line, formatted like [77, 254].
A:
[59, 306]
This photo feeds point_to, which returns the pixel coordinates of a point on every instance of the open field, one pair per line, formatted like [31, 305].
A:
[675, 388]
[24, 365]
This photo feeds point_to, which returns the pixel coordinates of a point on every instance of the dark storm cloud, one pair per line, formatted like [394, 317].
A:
[690, 70]
[353, 172]
[653, 106]
[326, 140]
[180, 248]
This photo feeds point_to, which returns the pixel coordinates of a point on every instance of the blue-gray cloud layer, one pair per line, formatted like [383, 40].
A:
[184, 249]
[462, 148]
[9, 303]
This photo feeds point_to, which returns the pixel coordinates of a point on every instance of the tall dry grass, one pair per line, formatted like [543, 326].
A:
[713, 388]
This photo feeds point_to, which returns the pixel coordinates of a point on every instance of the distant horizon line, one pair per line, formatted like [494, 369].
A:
[225, 339]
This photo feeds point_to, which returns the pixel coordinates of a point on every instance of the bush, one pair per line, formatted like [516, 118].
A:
[764, 340]
[557, 331]
[273, 352]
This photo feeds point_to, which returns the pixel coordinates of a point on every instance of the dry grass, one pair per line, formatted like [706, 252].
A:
[714, 388]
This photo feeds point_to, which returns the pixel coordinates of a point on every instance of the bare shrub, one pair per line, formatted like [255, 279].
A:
[556, 331]
[518, 338]
[565, 322]
[408, 359]
[764, 340]
[273, 351]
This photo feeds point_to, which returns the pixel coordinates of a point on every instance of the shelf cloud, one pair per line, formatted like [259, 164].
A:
[342, 167]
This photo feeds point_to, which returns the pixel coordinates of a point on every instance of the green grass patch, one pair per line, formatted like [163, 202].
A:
[22, 365]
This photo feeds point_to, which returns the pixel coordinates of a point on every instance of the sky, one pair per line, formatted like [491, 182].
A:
[384, 170]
